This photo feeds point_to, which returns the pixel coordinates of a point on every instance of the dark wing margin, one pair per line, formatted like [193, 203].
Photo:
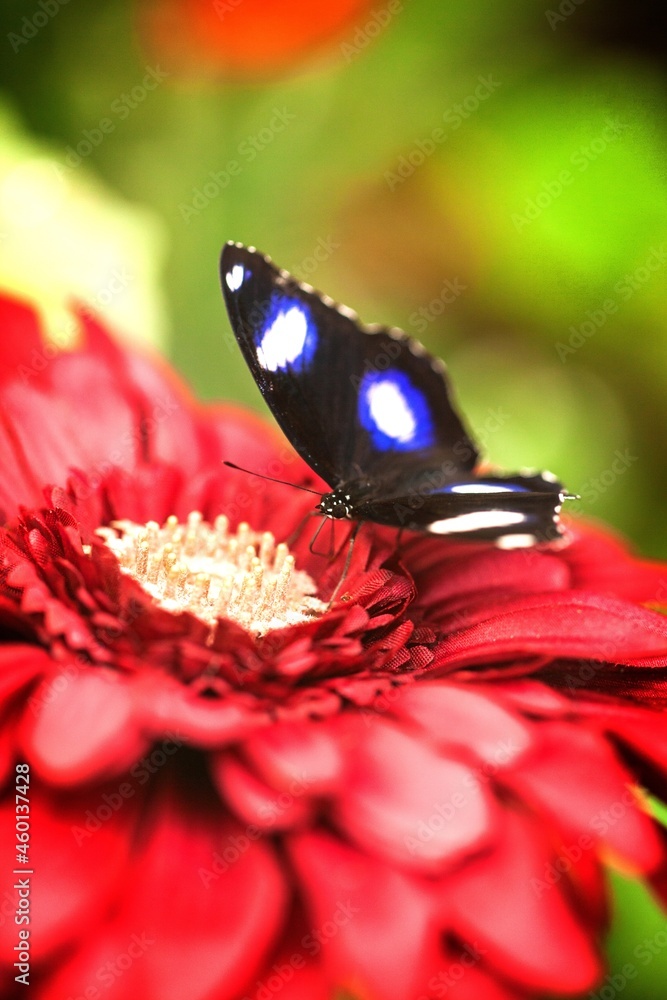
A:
[351, 399]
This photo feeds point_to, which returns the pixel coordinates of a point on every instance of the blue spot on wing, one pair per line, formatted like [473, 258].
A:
[286, 338]
[395, 412]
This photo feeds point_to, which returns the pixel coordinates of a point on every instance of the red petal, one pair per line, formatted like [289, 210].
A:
[236, 431]
[640, 729]
[587, 876]
[658, 880]
[79, 847]
[596, 802]
[19, 665]
[18, 484]
[239, 436]
[599, 561]
[293, 976]
[372, 925]
[134, 409]
[487, 575]
[205, 903]
[463, 976]
[303, 755]
[212, 927]
[148, 493]
[520, 923]
[23, 351]
[573, 625]
[412, 805]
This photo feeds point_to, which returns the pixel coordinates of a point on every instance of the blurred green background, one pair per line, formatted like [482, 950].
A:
[491, 177]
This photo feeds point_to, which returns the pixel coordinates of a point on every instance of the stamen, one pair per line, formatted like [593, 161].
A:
[203, 569]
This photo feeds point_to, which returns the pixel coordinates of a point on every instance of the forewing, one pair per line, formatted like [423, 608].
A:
[357, 403]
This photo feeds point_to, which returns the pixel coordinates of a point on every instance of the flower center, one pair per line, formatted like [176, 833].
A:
[204, 569]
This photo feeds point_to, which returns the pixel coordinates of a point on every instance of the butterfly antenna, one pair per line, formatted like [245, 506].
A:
[282, 482]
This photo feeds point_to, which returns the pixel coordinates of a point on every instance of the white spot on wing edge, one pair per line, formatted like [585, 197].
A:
[477, 520]
[479, 487]
[234, 278]
[515, 541]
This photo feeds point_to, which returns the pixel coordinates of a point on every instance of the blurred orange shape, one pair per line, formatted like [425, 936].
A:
[253, 37]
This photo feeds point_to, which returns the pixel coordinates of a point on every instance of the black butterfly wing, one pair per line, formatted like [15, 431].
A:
[357, 403]
[512, 511]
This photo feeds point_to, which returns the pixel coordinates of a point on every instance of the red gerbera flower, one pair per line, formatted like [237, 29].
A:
[258, 37]
[236, 791]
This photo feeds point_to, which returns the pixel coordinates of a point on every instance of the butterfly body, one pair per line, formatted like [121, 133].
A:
[371, 412]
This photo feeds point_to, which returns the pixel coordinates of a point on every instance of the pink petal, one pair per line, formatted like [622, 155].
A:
[458, 715]
[257, 803]
[110, 435]
[83, 726]
[18, 484]
[535, 699]
[164, 704]
[307, 754]
[408, 803]
[169, 414]
[44, 431]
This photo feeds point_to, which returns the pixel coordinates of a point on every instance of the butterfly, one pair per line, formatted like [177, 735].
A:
[371, 412]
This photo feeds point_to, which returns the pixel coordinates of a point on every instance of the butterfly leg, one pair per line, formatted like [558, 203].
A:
[399, 539]
[348, 560]
[311, 546]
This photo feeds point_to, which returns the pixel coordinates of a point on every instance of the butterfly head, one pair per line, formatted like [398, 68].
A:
[337, 504]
